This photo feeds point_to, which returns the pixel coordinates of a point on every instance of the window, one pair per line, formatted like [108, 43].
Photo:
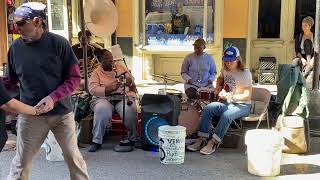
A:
[75, 18]
[269, 19]
[304, 8]
[56, 14]
[178, 22]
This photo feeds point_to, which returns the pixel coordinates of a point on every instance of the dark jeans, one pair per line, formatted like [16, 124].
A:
[3, 132]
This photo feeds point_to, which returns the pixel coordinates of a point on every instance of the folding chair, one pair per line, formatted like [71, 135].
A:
[259, 111]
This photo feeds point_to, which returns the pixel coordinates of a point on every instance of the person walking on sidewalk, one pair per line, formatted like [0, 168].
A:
[48, 72]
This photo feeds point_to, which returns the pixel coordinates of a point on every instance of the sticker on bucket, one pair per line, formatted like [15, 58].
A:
[172, 144]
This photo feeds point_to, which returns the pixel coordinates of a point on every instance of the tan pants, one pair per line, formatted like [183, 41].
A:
[32, 131]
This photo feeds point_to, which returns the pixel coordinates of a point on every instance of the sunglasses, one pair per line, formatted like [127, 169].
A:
[21, 23]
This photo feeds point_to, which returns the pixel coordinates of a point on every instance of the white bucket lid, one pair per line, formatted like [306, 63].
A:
[167, 131]
[263, 138]
[172, 128]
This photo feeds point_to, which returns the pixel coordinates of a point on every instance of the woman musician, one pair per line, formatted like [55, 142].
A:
[236, 103]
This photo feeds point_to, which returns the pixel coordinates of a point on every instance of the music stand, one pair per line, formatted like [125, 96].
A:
[118, 56]
[119, 147]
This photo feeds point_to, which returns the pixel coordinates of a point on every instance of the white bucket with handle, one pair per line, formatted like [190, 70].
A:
[172, 144]
[264, 149]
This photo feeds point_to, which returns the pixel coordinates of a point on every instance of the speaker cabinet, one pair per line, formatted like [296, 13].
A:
[157, 110]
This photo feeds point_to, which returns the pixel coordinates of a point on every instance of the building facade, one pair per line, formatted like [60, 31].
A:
[260, 28]
[156, 35]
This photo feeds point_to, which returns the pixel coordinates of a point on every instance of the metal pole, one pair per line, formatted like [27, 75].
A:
[84, 44]
[315, 82]
[69, 10]
[123, 103]
[114, 35]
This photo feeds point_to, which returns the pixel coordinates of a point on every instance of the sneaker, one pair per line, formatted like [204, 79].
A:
[94, 147]
[197, 145]
[125, 142]
[209, 148]
[137, 143]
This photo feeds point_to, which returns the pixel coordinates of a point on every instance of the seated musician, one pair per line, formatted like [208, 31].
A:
[77, 49]
[198, 69]
[107, 91]
[236, 103]
[92, 63]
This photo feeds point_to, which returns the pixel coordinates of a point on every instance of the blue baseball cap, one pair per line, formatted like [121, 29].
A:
[230, 54]
[30, 10]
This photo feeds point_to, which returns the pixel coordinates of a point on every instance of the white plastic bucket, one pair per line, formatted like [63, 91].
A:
[53, 150]
[264, 148]
[172, 144]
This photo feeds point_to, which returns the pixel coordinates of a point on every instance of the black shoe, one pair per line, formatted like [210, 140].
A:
[125, 142]
[122, 148]
[94, 147]
[137, 144]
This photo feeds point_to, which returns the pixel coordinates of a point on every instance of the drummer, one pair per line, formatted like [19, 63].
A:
[198, 69]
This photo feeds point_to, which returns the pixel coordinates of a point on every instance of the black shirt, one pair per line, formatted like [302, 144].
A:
[79, 52]
[179, 23]
[4, 96]
[41, 67]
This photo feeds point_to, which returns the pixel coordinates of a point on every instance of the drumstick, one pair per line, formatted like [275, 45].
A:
[195, 85]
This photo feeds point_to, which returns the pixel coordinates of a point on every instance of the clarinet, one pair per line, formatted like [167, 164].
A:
[121, 77]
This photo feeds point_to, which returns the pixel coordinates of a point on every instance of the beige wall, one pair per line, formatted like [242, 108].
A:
[124, 28]
[235, 18]
[3, 32]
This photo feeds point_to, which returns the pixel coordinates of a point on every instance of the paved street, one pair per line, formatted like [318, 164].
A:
[139, 165]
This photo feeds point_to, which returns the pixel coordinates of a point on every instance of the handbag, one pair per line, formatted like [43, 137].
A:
[292, 129]
[81, 105]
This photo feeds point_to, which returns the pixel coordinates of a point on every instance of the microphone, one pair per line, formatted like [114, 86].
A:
[129, 102]
[115, 60]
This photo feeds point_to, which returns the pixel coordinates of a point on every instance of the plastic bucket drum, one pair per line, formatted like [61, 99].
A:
[172, 144]
[53, 150]
[264, 148]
